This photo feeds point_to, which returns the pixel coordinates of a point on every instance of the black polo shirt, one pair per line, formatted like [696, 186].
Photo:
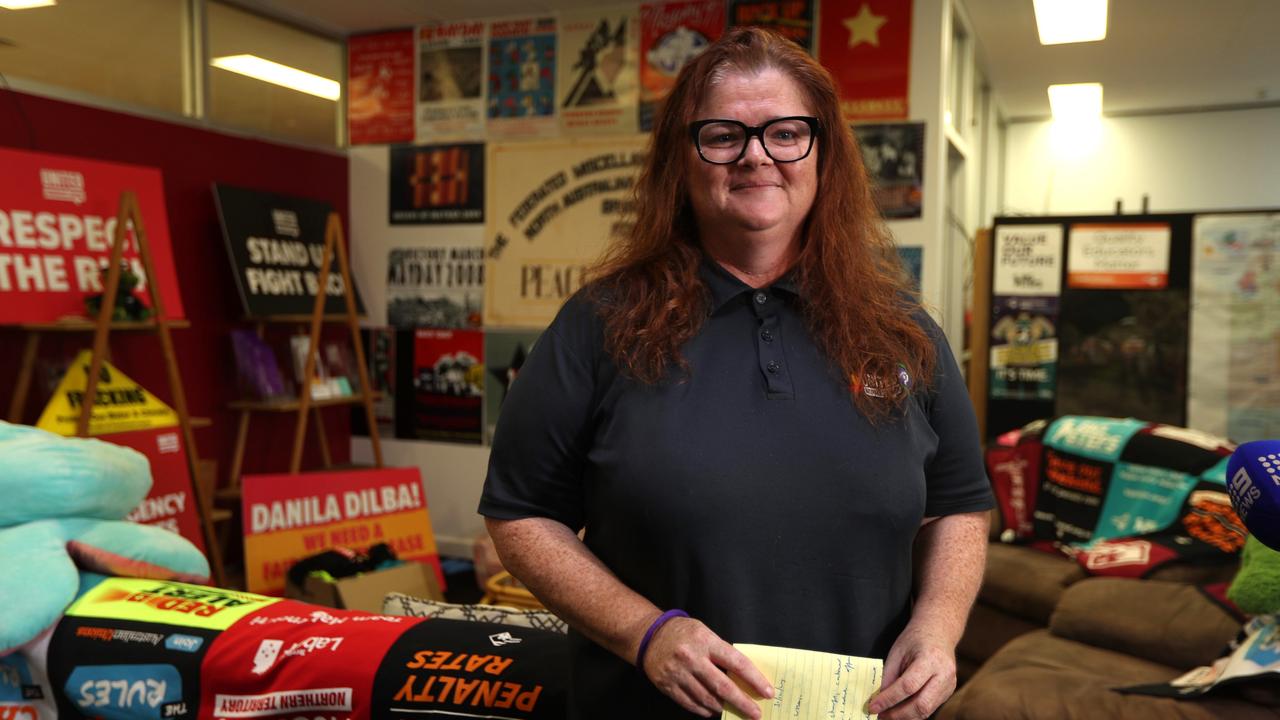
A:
[751, 493]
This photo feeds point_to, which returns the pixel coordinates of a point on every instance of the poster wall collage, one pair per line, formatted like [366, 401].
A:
[513, 145]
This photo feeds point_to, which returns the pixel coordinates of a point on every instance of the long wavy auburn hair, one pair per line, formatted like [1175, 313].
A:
[857, 302]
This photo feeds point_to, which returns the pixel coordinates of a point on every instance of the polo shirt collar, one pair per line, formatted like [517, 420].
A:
[725, 287]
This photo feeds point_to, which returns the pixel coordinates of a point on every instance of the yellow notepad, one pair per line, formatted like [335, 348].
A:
[810, 684]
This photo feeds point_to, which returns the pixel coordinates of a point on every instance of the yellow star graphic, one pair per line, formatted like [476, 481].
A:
[864, 27]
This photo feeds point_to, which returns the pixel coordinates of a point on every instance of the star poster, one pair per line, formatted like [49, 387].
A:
[866, 44]
[505, 352]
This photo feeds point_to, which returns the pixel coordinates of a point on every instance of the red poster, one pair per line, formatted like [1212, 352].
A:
[291, 660]
[290, 517]
[866, 44]
[380, 88]
[57, 220]
[170, 504]
[448, 384]
[672, 34]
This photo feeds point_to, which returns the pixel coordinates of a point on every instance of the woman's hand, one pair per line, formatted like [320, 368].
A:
[919, 675]
[692, 665]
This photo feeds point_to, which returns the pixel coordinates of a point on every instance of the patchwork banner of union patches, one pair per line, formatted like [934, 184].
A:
[1127, 495]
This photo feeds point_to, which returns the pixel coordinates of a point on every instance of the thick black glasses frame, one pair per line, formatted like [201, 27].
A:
[756, 132]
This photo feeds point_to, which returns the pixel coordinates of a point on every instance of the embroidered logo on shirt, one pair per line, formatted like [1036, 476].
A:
[878, 387]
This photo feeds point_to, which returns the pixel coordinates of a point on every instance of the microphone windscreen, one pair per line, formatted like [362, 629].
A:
[1253, 482]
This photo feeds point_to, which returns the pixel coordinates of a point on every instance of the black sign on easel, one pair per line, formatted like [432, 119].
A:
[276, 245]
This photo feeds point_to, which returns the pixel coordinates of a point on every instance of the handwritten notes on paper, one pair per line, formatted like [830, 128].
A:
[811, 685]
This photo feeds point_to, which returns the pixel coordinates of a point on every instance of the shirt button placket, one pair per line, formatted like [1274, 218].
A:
[769, 349]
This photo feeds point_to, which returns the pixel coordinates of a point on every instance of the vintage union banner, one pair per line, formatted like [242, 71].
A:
[555, 210]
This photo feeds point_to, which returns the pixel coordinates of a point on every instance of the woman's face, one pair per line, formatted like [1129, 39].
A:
[755, 194]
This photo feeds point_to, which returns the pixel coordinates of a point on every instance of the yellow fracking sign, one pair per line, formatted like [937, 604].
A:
[120, 405]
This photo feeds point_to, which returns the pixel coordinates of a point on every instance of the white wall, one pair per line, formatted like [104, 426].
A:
[925, 104]
[1190, 161]
[452, 474]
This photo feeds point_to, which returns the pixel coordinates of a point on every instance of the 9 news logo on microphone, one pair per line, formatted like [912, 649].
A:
[1253, 482]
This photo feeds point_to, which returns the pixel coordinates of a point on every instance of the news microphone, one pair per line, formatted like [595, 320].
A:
[1253, 482]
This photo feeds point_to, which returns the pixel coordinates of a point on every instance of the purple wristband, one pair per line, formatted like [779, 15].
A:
[653, 629]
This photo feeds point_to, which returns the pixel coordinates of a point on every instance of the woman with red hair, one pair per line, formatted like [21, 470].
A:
[765, 437]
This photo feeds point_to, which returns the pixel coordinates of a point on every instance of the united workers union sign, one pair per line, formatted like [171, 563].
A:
[554, 207]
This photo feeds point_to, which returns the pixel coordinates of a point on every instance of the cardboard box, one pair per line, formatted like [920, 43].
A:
[365, 592]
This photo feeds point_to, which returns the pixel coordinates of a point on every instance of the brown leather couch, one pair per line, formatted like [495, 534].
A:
[1047, 641]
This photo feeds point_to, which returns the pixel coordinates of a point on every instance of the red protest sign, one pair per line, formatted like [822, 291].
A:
[57, 223]
[290, 517]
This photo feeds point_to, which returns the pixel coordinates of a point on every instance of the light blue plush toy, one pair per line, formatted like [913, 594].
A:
[62, 508]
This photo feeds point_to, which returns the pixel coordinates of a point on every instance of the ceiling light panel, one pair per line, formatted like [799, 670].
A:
[1071, 21]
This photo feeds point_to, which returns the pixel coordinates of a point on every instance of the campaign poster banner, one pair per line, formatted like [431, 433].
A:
[1024, 348]
[292, 660]
[866, 44]
[599, 73]
[167, 602]
[522, 77]
[380, 88]
[1028, 260]
[448, 385]
[505, 352]
[451, 80]
[793, 19]
[1130, 256]
[1233, 382]
[57, 228]
[170, 504]
[276, 245]
[446, 668]
[119, 405]
[672, 34]
[436, 184]
[557, 207]
[894, 157]
[122, 669]
[290, 517]
[437, 286]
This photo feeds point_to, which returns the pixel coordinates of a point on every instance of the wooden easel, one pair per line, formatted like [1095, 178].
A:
[334, 242]
[102, 327]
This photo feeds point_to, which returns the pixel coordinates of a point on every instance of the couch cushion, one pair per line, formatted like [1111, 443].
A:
[1025, 582]
[1165, 622]
[1042, 676]
[988, 630]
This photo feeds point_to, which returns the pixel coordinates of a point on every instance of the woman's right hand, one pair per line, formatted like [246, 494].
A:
[692, 665]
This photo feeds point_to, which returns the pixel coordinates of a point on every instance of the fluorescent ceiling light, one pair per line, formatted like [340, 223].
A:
[26, 4]
[1071, 21]
[282, 75]
[1078, 101]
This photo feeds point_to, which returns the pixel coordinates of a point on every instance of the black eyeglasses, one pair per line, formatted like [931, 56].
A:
[724, 142]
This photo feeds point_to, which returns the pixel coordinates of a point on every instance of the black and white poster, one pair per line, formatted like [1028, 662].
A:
[894, 156]
[436, 286]
[276, 246]
[437, 184]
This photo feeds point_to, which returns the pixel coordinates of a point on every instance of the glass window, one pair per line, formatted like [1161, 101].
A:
[243, 48]
[125, 50]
